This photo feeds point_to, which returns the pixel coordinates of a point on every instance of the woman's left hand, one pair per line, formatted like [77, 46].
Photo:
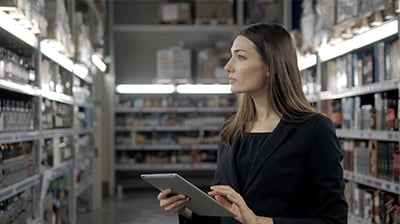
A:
[235, 203]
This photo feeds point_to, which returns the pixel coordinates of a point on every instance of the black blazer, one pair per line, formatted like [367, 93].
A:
[298, 178]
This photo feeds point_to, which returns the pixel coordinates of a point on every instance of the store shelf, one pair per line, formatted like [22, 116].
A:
[169, 128]
[356, 91]
[11, 137]
[20, 88]
[186, 28]
[82, 131]
[166, 147]
[53, 133]
[83, 186]
[352, 219]
[174, 109]
[372, 182]
[59, 97]
[13, 27]
[154, 167]
[19, 187]
[368, 134]
[381, 32]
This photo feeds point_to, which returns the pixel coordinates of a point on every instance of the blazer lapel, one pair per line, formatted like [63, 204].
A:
[271, 145]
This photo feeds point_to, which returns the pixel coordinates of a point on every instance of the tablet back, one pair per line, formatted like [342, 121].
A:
[200, 203]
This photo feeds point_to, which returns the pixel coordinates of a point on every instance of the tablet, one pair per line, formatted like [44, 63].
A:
[200, 203]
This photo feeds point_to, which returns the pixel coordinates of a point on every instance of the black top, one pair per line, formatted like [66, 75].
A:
[296, 176]
[246, 154]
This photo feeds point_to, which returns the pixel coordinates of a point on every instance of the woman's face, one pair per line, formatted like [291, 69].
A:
[247, 71]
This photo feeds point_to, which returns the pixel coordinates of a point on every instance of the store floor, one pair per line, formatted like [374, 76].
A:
[136, 207]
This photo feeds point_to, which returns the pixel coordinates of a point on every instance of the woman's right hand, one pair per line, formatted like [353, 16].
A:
[174, 203]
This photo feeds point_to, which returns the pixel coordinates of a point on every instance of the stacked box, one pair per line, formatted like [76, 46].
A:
[217, 9]
[346, 10]
[224, 9]
[58, 27]
[174, 13]
[174, 63]
[205, 9]
[207, 63]
[266, 11]
[83, 46]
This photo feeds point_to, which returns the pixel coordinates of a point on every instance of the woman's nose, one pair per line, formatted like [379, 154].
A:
[228, 67]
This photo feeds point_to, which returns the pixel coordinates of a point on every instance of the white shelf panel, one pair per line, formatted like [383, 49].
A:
[83, 186]
[352, 219]
[59, 171]
[169, 128]
[52, 133]
[360, 90]
[313, 97]
[154, 167]
[19, 187]
[166, 147]
[174, 109]
[368, 134]
[176, 28]
[10, 137]
[13, 27]
[59, 97]
[328, 52]
[372, 182]
[20, 88]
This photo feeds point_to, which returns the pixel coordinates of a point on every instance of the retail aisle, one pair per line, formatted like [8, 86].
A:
[134, 207]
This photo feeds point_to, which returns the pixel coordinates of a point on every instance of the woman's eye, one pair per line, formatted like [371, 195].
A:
[241, 58]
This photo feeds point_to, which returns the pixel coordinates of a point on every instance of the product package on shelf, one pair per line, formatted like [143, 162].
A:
[83, 46]
[268, 11]
[58, 28]
[209, 12]
[174, 64]
[174, 13]
[31, 12]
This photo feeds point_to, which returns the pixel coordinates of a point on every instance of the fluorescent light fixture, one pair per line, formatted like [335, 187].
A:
[379, 33]
[203, 88]
[13, 27]
[50, 50]
[306, 61]
[81, 71]
[96, 60]
[145, 88]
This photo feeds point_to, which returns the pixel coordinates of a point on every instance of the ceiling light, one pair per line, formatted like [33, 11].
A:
[145, 88]
[204, 88]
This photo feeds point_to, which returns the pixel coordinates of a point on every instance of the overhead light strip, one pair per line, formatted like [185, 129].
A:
[203, 89]
[170, 88]
[145, 88]
[13, 27]
[375, 34]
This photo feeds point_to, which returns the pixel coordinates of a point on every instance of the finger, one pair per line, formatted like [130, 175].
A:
[223, 201]
[176, 205]
[170, 200]
[163, 194]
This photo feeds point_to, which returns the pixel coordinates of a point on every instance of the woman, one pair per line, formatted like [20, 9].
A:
[279, 161]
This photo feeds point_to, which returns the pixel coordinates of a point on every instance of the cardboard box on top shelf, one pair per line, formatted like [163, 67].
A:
[174, 13]
[213, 12]
[268, 11]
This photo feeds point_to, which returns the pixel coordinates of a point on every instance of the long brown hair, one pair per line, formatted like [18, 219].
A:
[285, 93]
